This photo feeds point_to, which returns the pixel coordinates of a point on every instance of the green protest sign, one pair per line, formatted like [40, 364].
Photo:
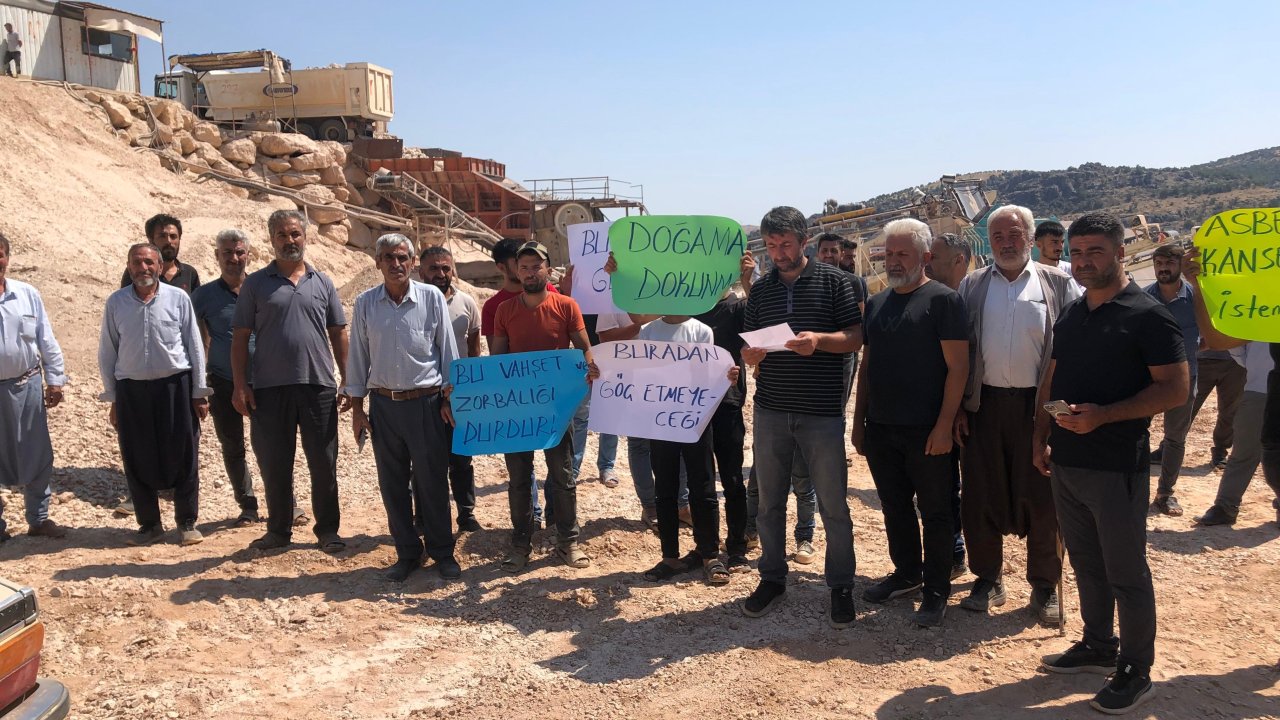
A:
[1240, 272]
[674, 264]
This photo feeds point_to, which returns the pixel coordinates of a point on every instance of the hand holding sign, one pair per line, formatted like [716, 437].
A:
[1239, 272]
[674, 264]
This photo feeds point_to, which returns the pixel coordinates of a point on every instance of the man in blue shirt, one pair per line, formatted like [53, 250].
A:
[152, 365]
[27, 349]
[1176, 295]
[401, 346]
[215, 306]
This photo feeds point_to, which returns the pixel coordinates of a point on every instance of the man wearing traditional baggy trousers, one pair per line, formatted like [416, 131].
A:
[152, 363]
[402, 343]
[290, 307]
[1118, 359]
[27, 348]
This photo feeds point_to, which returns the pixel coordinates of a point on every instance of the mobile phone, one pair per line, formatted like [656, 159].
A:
[362, 439]
[1058, 407]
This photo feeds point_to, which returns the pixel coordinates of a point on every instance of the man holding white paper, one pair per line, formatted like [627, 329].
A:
[799, 405]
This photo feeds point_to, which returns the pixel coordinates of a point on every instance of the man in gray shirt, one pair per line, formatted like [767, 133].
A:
[153, 374]
[401, 347]
[436, 267]
[290, 307]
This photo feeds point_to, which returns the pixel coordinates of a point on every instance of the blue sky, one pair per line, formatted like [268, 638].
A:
[730, 108]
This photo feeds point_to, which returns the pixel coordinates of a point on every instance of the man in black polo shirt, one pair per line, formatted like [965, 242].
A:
[917, 361]
[1118, 359]
[799, 406]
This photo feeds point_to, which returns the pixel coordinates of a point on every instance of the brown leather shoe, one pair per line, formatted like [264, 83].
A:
[49, 529]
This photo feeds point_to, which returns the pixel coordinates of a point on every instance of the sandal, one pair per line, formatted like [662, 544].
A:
[691, 560]
[300, 518]
[270, 541]
[573, 556]
[331, 543]
[738, 564]
[245, 520]
[515, 561]
[716, 572]
[664, 571]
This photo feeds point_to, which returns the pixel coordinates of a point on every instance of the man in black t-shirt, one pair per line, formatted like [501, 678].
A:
[1271, 428]
[165, 232]
[912, 381]
[1118, 359]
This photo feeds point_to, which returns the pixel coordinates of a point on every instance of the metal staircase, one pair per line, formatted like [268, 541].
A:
[430, 211]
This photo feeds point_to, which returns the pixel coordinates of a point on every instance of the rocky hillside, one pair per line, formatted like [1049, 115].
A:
[1177, 197]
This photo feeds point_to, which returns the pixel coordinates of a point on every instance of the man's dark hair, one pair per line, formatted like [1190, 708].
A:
[1098, 223]
[433, 251]
[827, 237]
[159, 221]
[784, 220]
[506, 249]
[959, 244]
[1050, 227]
[847, 244]
[4, 243]
[1170, 250]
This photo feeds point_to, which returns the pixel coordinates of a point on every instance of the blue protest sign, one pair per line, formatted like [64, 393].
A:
[517, 402]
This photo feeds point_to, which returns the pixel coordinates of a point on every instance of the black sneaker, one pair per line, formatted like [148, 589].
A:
[842, 610]
[1217, 515]
[1127, 688]
[1080, 658]
[1166, 505]
[1045, 605]
[765, 597]
[402, 569]
[449, 568]
[889, 588]
[1217, 458]
[984, 596]
[146, 536]
[933, 607]
[958, 569]
[469, 524]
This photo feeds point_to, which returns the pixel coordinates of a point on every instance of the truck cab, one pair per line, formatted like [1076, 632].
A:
[185, 88]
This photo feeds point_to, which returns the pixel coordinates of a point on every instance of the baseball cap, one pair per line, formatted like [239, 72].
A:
[535, 247]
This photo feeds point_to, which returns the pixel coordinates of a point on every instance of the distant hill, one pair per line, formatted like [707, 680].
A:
[1176, 197]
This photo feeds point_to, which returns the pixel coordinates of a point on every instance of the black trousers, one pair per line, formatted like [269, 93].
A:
[907, 478]
[1271, 430]
[159, 439]
[1003, 493]
[1104, 526]
[228, 423]
[411, 447]
[728, 438]
[704, 506]
[1228, 377]
[561, 485]
[283, 412]
[462, 481]
[16, 58]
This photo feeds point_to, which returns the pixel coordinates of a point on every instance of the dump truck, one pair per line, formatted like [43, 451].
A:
[339, 102]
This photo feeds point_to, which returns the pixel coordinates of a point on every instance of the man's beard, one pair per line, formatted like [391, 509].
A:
[144, 280]
[535, 286]
[168, 253]
[444, 283]
[1101, 278]
[1167, 278]
[292, 253]
[909, 278]
[1014, 263]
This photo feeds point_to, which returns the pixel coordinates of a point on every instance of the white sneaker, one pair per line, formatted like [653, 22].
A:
[805, 554]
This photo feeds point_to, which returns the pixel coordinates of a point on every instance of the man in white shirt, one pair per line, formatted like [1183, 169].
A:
[12, 51]
[28, 349]
[436, 267]
[1012, 306]
[151, 358]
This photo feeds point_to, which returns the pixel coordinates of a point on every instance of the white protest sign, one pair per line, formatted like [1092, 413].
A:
[588, 252]
[657, 390]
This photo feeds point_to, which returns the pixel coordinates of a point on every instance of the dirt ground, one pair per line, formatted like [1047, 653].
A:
[219, 631]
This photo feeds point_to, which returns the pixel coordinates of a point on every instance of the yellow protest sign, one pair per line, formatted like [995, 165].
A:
[1240, 272]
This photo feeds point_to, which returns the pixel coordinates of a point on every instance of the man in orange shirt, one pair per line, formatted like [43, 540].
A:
[533, 321]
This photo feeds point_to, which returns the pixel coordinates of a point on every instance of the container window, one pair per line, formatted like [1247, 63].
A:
[114, 46]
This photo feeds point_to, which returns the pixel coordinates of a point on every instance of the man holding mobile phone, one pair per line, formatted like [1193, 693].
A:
[402, 343]
[1118, 359]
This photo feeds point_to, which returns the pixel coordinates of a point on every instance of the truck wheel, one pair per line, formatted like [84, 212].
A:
[307, 129]
[333, 129]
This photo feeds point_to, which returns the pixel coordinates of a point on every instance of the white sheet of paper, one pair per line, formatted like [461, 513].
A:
[588, 252]
[771, 339]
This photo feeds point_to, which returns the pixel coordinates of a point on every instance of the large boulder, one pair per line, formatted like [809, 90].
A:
[341, 194]
[354, 195]
[207, 132]
[287, 145]
[208, 153]
[293, 179]
[166, 111]
[324, 215]
[226, 168]
[163, 133]
[359, 235]
[312, 161]
[318, 194]
[336, 150]
[371, 197]
[355, 175]
[185, 142]
[335, 232]
[119, 115]
[332, 176]
[240, 151]
[278, 165]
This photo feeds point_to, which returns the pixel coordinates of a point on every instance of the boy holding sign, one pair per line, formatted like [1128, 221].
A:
[537, 320]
